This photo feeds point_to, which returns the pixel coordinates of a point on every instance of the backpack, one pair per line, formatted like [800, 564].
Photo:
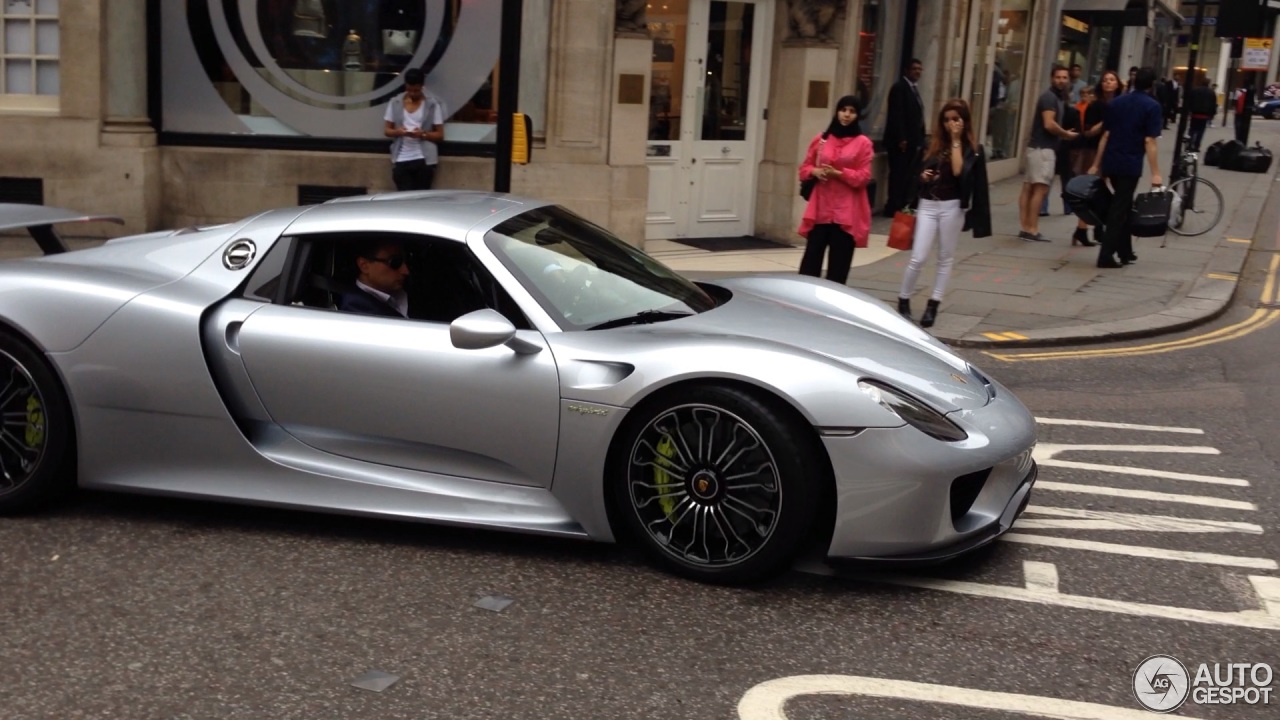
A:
[1213, 155]
[1230, 150]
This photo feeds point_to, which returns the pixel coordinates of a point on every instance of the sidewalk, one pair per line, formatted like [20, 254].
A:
[1010, 293]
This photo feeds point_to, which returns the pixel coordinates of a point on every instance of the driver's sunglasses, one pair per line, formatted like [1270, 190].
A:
[395, 262]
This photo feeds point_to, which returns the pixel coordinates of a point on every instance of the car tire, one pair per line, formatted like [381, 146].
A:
[735, 509]
[36, 463]
[1275, 113]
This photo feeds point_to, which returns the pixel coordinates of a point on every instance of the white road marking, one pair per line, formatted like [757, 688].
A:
[1040, 576]
[768, 700]
[1268, 589]
[1048, 450]
[1120, 426]
[1146, 472]
[1046, 455]
[1254, 619]
[1143, 552]
[1078, 519]
[1146, 495]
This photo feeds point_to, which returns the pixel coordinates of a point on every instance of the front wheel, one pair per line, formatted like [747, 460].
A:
[1197, 206]
[35, 438]
[717, 486]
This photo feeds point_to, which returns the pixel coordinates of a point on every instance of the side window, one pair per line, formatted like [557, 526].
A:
[264, 281]
[443, 280]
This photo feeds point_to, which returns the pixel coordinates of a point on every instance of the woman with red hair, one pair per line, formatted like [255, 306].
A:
[951, 197]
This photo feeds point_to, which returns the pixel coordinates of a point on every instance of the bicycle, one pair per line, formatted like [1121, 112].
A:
[1197, 203]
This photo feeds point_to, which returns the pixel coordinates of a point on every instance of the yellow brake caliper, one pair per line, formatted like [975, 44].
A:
[661, 478]
[35, 422]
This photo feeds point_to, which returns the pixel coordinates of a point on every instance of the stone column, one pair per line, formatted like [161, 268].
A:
[1274, 65]
[1224, 64]
[800, 106]
[629, 121]
[125, 86]
[534, 48]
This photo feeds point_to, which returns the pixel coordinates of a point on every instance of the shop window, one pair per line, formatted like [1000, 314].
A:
[1012, 26]
[29, 52]
[879, 63]
[326, 68]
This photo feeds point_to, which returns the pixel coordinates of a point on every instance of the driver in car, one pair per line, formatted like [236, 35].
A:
[380, 283]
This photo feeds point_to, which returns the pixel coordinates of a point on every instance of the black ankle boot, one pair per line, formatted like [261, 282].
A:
[1081, 237]
[904, 307]
[930, 314]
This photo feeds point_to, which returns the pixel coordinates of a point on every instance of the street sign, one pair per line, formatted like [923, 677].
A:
[1256, 55]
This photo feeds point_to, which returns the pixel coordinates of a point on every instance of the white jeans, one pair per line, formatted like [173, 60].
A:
[934, 218]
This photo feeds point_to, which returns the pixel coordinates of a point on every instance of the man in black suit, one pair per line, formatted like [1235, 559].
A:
[903, 134]
[380, 285]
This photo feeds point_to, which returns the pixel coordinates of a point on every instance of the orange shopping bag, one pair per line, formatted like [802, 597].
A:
[903, 230]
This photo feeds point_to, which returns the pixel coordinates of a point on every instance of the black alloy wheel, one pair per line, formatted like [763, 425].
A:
[36, 431]
[718, 486]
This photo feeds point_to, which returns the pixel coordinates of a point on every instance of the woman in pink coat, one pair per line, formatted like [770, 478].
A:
[838, 214]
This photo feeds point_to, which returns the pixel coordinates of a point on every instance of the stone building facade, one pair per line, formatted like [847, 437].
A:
[656, 118]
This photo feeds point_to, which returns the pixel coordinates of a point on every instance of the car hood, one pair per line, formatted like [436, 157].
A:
[845, 325]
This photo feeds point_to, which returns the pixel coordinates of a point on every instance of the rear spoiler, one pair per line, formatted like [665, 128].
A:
[39, 221]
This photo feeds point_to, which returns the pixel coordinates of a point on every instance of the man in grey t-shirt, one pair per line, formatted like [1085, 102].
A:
[1042, 153]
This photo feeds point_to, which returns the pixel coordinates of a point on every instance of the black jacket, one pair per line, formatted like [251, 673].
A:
[905, 119]
[1203, 101]
[975, 190]
[359, 301]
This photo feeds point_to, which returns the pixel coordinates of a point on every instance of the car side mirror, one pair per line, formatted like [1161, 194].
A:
[487, 328]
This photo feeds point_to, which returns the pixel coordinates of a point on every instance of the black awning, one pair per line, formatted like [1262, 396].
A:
[1109, 13]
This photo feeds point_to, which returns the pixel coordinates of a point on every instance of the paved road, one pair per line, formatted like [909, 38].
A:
[124, 607]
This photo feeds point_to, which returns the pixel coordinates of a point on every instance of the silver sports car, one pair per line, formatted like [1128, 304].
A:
[488, 360]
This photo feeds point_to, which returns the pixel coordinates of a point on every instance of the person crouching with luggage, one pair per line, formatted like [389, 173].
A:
[1131, 129]
[951, 180]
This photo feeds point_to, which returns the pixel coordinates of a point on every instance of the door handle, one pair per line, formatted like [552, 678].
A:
[233, 336]
[724, 150]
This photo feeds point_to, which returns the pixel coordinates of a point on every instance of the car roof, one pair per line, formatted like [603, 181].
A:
[443, 213]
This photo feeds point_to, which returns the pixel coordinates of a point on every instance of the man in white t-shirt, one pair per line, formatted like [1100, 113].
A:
[415, 122]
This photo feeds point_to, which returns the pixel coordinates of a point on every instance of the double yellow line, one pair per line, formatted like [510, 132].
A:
[1261, 318]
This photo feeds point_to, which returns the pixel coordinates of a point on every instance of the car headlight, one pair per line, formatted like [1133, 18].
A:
[915, 413]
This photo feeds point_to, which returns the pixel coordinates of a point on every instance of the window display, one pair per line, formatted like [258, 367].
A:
[326, 68]
[1011, 29]
[879, 60]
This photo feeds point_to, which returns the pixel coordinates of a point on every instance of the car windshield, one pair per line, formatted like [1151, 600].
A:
[586, 277]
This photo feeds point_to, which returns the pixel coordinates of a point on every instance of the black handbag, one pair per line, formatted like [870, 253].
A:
[807, 185]
[1150, 215]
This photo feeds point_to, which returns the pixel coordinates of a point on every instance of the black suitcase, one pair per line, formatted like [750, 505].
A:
[1150, 214]
[1256, 159]
[1213, 155]
[1230, 151]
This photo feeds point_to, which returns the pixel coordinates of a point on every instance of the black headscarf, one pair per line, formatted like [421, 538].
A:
[853, 129]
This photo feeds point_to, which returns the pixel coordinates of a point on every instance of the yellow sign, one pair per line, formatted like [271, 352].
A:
[1256, 54]
[520, 140]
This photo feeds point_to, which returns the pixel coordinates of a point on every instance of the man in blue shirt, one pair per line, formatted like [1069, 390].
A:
[1131, 129]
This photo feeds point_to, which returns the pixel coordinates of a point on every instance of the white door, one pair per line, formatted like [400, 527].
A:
[707, 125]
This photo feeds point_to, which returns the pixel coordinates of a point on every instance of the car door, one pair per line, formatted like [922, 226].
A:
[395, 391]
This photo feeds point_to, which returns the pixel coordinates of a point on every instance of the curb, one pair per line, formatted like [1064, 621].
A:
[1210, 297]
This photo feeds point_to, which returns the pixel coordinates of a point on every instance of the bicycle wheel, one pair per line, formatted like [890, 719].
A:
[1197, 206]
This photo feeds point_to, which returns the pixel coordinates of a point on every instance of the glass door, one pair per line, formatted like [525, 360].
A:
[706, 117]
